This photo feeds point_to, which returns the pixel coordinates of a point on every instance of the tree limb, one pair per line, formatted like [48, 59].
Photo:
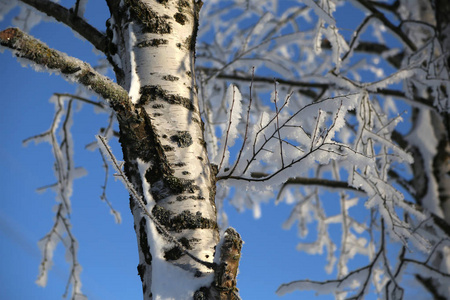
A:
[380, 16]
[72, 69]
[68, 17]
[306, 84]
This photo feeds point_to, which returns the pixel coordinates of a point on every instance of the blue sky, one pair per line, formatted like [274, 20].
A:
[108, 252]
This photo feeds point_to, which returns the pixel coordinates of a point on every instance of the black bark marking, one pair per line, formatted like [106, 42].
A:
[183, 4]
[183, 197]
[197, 6]
[176, 252]
[168, 148]
[195, 120]
[202, 294]
[140, 140]
[143, 241]
[111, 47]
[182, 138]
[179, 164]
[202, 142]
[166, 185]
[184, 220]
[180, 18]
[189, 43]
[180, 185]
[150, 21]
[170, 78]
[154, 92]
[152, 43]
[141, 271]
[163, 2]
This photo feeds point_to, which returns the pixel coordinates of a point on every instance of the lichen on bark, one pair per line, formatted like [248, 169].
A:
[150, 21]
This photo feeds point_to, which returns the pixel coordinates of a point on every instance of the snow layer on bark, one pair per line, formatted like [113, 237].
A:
[165, 273]
[135, 84]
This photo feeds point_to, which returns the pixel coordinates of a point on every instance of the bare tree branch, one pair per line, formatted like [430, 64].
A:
[69, 18]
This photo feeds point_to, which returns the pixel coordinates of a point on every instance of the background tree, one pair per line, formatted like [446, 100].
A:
[328, 122]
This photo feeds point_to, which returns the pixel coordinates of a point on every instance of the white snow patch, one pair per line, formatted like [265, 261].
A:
[166, 273]
[135, 84]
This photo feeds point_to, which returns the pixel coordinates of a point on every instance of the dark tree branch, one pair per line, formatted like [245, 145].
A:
[73, 69]
[305, 84]
[315, 181]
[380, 16]
[69, 18]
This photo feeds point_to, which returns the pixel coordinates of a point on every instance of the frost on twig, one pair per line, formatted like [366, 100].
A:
[65, 173]
[60, 138]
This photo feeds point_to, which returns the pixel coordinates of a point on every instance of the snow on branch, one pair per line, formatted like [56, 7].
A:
[72, 69]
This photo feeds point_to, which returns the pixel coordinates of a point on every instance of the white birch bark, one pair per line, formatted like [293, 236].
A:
[155, 42]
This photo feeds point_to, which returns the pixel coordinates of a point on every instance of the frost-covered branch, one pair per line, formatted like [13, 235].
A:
[72, 69]
[72, 19]
[66, 173]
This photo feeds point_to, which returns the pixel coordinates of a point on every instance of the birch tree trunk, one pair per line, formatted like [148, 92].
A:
[152, 48]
